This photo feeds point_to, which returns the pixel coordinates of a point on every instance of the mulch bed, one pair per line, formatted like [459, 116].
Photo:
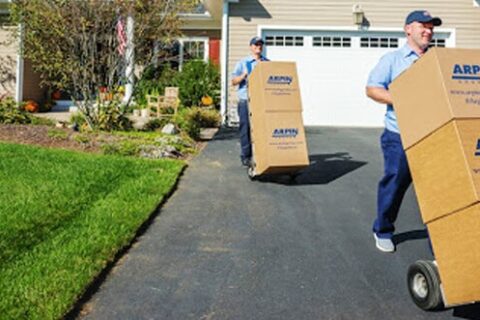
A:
[39, 135]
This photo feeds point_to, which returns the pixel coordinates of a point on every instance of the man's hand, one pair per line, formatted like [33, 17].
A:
[240, 78]
[379, 94]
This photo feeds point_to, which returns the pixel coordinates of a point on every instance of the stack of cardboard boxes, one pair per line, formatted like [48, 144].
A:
[437, 103]
[277, 132]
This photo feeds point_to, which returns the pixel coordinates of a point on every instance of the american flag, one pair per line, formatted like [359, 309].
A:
[121, 37]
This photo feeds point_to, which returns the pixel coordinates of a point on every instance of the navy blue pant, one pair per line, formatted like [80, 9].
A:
[245, 141]
[394, 184]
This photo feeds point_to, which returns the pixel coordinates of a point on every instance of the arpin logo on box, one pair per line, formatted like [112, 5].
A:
[466, 72]
[280, 80]
[285, 133]
[477, 152]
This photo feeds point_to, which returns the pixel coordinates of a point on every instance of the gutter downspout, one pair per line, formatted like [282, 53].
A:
[20, 68]
[224, 63]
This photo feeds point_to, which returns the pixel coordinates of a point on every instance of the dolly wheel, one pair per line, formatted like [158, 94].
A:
[424, 285]
[251, 172]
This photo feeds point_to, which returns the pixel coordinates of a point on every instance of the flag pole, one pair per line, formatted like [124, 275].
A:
[129, 59]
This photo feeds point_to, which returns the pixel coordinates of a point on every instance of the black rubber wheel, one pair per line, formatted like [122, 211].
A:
[424, 285]
[251, 173]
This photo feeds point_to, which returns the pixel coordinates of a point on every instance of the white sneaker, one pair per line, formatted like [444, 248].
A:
[384, 244]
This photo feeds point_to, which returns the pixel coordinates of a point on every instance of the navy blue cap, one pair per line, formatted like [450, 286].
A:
[422, 16]
[256, 40]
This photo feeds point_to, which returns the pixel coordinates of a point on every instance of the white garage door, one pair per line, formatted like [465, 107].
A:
[333, 68]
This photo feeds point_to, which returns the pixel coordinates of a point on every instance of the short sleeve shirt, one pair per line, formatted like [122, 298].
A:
[246, 64]
[390, 66]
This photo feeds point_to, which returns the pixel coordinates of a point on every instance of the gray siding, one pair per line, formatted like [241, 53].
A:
[246, 15]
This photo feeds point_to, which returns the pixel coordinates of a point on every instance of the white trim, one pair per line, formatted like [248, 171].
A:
[261, 28]
[196, 16]
[451, 40]
[476, 3]
[224, 62]
[20, 68]
[206, 48]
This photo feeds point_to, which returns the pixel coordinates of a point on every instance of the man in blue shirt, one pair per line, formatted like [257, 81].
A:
[240, 77]
[396, 180]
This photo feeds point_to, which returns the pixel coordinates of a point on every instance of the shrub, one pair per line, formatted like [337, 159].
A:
[198, 79]
[154, 81]
[187, 122]
[208, 118]
[57, 134]
[191, 120]
[12, 113]
[112, 116]
[122, 148]
[155, 123]
[79, 119]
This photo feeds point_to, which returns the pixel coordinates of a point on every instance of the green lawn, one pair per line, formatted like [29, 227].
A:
[63, 216]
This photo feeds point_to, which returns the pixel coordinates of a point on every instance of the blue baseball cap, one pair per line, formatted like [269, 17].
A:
[422, 16]
[256, 40]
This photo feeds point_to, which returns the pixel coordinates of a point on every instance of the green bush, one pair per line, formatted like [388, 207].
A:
[154, 81]
[156, 123]
[12, 113]
[198, 79]
[191, 120]
[112, 116]
[208, 118]
[186, 121]
[122, 148]
[79, 119]
[57, 134]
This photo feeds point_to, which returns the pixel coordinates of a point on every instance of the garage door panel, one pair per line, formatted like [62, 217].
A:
[333, 68]
[332, 83]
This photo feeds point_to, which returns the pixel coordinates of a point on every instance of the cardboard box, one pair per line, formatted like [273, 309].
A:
[456, 245]
[437, 103]
[445, 168]
[277, 132]
[441, 86]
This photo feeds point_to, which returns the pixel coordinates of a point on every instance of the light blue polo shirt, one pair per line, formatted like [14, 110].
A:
[390, 66]
[246, 64]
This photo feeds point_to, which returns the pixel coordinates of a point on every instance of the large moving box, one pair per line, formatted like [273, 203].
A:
[277, 132]
[441, 86]
[437, 103]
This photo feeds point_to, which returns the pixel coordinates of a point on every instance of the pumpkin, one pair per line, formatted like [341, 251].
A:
[31, 106]
[56, 95]
[207, 100]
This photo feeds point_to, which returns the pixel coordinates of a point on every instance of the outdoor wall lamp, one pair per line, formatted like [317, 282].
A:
[358, 15]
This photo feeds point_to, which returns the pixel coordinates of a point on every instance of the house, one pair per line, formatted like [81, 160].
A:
[200, 40]
[335, 43]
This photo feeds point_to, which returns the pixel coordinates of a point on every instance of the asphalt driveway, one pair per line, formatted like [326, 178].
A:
[224, 247]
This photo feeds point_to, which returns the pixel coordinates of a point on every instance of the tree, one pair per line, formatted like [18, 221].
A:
[79, 46]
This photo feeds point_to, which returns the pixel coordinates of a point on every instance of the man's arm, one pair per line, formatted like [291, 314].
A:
[379, 94]
[239, 79]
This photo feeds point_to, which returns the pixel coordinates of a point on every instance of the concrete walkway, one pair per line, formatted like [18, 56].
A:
[224, 247]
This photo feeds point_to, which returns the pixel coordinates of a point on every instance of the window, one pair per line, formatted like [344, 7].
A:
[329, 41]
[284, 41]
[193, 50]
[437, 43]
[4, 19]
[374, 42]
[476, 3]
[4, 14]
[200, 9]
